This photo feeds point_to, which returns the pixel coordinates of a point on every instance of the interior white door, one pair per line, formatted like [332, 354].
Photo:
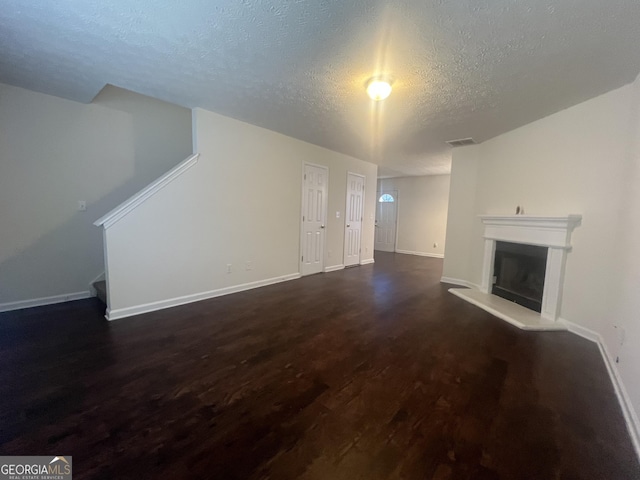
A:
[386, 214]
[314, 214]
[353, 219]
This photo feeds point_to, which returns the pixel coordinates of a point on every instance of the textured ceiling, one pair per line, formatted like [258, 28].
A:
[464, 68]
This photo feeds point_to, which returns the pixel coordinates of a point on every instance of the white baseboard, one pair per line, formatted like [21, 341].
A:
[630, 415]
[421, 254]
[38, 302]
[367, 261]
[581, 331]
[457, 281]
[118, 313]
[333, 268]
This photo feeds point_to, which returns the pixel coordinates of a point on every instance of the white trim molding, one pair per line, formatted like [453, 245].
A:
[39, 302]
[581, 331]
[629, 413]
[542, 231]
[116, 314]
[551, 232]
[367, 261]
[420, 254]
[333, 268]
[143, 195]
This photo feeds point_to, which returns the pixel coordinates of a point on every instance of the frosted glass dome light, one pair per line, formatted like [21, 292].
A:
[378, 89]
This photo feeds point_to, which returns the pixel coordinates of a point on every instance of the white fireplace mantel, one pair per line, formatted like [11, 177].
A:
[542, 231]
[551, 232]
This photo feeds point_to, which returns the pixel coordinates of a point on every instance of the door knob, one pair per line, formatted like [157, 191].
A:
[321, 226]
[348, 225]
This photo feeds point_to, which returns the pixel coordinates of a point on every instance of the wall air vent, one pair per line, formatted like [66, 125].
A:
[461, 142]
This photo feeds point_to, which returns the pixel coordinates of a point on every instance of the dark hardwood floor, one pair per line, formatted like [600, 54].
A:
[374, 372]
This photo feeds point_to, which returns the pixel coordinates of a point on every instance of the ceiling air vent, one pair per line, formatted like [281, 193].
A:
[461, 142]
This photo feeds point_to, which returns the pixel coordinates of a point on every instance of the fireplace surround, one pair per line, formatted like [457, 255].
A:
[552, 233]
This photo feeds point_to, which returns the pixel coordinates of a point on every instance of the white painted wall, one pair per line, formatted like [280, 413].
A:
[54, 152]
[582, 160]
[622, 328]
[570, 162]
[422, 212]
[241, 202]
[461, 216]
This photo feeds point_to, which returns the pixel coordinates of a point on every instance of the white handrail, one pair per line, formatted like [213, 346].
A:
[147, 192]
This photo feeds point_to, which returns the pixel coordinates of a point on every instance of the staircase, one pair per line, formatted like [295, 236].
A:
[118, 261]
[101, 290]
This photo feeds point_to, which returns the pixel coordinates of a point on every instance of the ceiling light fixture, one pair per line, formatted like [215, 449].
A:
[378, 88]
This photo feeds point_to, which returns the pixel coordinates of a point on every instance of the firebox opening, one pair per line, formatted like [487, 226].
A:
[519, 273]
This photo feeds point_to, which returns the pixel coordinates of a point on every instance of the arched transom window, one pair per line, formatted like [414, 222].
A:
[386, 198]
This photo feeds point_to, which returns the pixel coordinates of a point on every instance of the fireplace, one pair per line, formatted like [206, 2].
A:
[553, 234]
[513, 245]
[518, 273]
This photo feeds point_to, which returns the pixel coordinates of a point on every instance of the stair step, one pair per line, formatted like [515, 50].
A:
[101, 290]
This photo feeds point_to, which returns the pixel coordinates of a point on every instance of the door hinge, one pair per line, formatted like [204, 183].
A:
[302, 259]
[303, 218]
[305, 176]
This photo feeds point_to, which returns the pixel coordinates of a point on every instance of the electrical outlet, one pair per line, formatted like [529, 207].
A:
[435, 245]
[248, 265]
[337, 214]
[228, 268]
[82, 206]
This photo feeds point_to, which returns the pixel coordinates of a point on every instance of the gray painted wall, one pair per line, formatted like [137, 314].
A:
[54, 153]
